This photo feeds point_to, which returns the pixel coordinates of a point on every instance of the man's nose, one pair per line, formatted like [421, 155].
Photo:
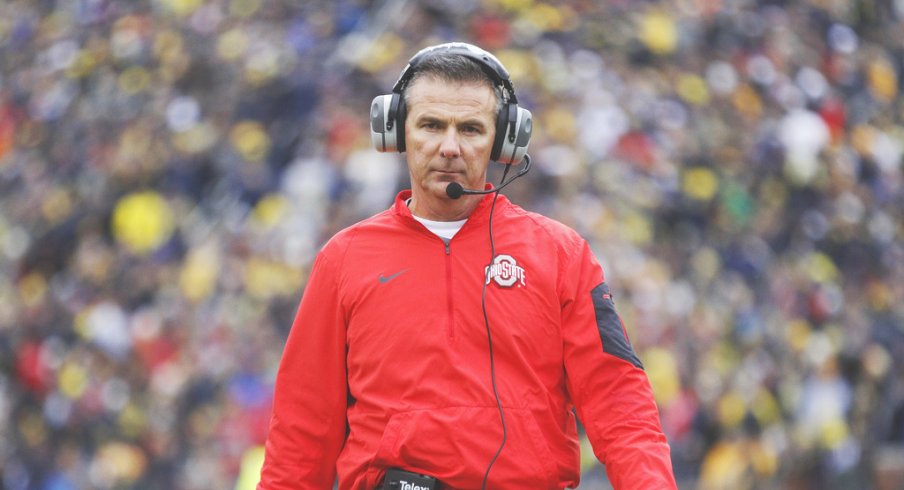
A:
[450, 147]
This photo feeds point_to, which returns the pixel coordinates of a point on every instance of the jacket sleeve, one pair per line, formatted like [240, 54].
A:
[308, 423]
[607, 383]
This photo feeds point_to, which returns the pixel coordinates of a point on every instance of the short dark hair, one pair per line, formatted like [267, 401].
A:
[450, 67]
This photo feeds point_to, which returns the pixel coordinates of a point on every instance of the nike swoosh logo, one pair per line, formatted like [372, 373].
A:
[384, 279]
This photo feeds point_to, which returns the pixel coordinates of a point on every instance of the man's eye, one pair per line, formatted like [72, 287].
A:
[471, 130]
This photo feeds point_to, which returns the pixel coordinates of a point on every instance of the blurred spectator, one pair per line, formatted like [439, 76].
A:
[168, 169]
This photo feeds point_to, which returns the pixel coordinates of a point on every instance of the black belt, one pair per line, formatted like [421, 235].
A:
[397, 479]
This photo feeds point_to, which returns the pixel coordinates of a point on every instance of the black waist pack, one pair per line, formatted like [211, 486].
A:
[396, 479]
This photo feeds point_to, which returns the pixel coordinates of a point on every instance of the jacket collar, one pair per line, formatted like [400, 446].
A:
[480, 214]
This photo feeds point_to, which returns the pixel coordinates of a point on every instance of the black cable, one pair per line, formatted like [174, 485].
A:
[486, 322]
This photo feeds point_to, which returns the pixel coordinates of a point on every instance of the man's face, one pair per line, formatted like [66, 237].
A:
[448, 137]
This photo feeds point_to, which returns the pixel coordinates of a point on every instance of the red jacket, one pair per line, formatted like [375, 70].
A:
[387, 362]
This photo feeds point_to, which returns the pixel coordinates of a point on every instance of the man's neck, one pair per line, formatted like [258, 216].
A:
[448, 210]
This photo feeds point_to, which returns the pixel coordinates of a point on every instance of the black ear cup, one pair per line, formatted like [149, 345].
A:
[513, 138]
[513, 123]
[387, 128]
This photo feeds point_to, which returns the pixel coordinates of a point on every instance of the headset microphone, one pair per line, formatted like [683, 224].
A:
[454, 190]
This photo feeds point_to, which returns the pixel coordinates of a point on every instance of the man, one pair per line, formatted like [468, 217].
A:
[414, 351]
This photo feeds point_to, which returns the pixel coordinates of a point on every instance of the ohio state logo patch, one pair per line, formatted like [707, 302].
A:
[505, 271]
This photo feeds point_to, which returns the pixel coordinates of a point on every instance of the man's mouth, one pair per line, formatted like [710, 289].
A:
[447, 174]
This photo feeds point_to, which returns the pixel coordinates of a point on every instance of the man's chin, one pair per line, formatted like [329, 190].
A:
[439, 188]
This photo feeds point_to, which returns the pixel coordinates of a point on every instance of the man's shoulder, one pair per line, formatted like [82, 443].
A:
[554, 228]
[347, 235]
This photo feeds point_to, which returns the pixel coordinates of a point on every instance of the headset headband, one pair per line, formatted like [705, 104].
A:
[487, 62]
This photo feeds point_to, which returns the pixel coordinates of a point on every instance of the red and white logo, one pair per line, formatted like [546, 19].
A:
[505, 271]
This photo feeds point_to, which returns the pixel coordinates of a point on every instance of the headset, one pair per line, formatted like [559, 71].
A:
[513, 123]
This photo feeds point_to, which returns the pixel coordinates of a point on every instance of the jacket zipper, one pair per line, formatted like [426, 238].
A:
[450, 331]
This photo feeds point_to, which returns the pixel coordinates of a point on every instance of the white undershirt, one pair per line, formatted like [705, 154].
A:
[442, 229]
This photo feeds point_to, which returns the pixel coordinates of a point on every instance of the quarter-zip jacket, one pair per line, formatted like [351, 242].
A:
[387, 362]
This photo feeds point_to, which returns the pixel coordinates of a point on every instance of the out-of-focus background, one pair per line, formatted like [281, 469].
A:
[169, 169]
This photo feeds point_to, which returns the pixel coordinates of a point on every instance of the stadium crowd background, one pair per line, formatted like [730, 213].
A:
[169, 168]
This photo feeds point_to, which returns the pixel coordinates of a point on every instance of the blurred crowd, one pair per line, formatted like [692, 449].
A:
[169, 169]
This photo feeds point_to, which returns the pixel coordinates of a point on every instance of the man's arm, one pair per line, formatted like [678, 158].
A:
[608, 385]
[308, 426]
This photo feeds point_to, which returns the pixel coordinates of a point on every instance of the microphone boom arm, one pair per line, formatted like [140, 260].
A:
[455, 190]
